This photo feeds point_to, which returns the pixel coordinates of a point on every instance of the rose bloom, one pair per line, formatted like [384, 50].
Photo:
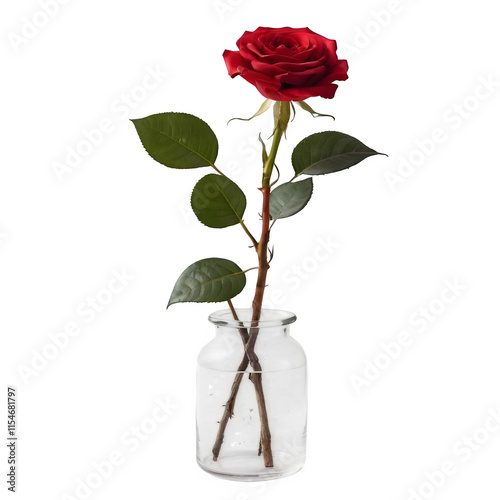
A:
[287, 64]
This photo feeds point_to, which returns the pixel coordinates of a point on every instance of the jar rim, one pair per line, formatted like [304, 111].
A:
[269, 318]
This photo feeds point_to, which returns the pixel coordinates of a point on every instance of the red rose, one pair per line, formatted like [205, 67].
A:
[287, 64]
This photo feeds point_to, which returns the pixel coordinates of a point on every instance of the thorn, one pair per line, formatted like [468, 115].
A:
[271, 255]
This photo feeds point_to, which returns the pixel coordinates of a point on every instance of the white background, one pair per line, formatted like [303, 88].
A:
[415, 66]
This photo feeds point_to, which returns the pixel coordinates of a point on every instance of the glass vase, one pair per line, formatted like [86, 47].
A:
[251, 423]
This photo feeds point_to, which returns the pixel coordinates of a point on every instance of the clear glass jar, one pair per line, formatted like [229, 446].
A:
[228, 445]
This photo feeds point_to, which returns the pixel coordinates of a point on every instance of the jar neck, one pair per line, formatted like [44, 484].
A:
[270, 319]
[267, 332]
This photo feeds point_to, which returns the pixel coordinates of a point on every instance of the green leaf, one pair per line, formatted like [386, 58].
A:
[217, 201]
[178, 140]
[290, 198]
[208, 280]
[327, 152]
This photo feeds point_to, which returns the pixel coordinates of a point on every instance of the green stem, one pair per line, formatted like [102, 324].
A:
[268, 167]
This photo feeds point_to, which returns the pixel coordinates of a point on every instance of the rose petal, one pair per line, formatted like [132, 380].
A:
[268, 69]
[233, 60]
[270, 93]
[337, 72]
[253, 77]
[287, 41]
[297, 57]
[295, 66]
[250, 51]
[301, 78]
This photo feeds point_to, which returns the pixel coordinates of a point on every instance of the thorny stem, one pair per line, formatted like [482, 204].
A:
[229, 406]
[256, 378]
[250, 357]
[243, 331]
[249, 339]
[262, 249]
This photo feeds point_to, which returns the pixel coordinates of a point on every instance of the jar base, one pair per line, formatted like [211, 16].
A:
[247, 468]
